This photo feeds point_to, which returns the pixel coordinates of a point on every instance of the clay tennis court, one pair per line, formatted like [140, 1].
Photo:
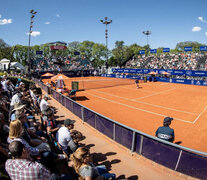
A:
[145, 108]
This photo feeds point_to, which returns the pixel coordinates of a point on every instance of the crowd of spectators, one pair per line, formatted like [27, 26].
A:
[61, 63]
[33, 144]
[169, 61]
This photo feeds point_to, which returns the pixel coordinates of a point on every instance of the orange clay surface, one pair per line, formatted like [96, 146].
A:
[145, 108]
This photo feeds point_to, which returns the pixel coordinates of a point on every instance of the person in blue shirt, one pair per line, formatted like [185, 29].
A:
[165, 132]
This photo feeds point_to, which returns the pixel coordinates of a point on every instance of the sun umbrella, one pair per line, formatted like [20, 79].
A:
[48, 75]
[165, 73]
[152, 73]
[59, 76]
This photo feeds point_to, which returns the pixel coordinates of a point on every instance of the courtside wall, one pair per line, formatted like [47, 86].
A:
[175, 157]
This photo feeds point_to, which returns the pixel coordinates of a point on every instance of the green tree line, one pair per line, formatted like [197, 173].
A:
[95, 52]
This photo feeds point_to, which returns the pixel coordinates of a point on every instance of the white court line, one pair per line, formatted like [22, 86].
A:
[156, 93]
[199, 115]
[132, 107]
[146, 103]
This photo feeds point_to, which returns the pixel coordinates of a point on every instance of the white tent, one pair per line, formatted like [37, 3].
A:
[4, 65]
[16, 65]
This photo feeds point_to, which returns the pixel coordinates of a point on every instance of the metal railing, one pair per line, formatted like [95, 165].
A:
[175, 157]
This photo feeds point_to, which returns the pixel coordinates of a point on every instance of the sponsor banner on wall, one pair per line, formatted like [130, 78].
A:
[187, 49]
[172, 72]
[153, 51]
[142, 52]
[203, 48]
[58, 47]
[166, 50]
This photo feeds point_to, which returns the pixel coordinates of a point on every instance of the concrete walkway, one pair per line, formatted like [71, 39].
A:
[117, 159]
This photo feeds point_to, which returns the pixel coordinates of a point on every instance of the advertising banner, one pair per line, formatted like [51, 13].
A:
[160, 71]
[203, 48]
[142, 52]
[153, 51]
[166, 50]
[187, 49]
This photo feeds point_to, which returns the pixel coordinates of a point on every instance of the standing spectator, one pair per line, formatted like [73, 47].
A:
[63, 137]
[21, 167]
[165, 132]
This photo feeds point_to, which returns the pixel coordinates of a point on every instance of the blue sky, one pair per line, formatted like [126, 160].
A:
[171, 21]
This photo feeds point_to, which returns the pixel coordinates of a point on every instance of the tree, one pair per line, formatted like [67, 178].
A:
[86, 48]
[123, 53]
[195, 45]
[98, 54]
[73, 47]
[118, 52]
[5, 50]
[46, 49]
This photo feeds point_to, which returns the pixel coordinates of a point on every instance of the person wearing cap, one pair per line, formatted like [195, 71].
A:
[64, 138]
[165, 132]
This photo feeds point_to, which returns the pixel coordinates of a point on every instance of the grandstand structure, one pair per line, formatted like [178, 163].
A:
[185, 61]
[60, 63]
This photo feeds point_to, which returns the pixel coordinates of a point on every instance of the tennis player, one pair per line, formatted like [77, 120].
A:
[137, 83]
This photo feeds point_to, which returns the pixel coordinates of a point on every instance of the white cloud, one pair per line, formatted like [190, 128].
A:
[34, 33]
[0, 15]
[47, 22]
[206, 33]
[196, 28]
[5, 21]
[201, 19]
[58, 15]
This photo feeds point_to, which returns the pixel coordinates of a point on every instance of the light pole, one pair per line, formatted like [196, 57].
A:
[147, 33]
[33, 13]
[106, 21]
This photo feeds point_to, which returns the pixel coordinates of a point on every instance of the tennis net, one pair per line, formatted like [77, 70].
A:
[103, 83]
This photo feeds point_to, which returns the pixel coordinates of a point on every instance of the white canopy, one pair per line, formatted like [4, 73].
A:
[5, 60]
[4, 65]
[17, 65]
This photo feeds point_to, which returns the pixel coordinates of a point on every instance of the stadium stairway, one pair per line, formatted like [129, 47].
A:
[117, 159]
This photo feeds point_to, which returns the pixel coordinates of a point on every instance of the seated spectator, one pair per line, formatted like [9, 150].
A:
[21, 167]
[47, 157]
[63, 137]
[44, 104]
[16, 98]
[50, 123]
[29, 133]
[165, 132]
[81, 161]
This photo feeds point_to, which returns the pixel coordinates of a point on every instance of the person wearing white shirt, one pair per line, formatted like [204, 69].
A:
[44, 104]
[64, 138]
[16, 99]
